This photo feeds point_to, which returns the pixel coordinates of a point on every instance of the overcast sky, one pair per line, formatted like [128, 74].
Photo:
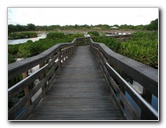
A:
[81, 16]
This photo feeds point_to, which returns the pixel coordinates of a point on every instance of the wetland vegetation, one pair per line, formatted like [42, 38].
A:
[142, 47]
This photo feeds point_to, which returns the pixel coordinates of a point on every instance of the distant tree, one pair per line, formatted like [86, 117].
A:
[31, 27]
[103, 26]
[19, 27]
[140, 27]
[116, 25]
[12, 28]
[76, 26]
[153, 25]
[124, 26]
[85, 26]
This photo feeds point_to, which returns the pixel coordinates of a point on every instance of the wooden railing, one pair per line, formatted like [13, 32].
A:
[32, 88]
[115, 66]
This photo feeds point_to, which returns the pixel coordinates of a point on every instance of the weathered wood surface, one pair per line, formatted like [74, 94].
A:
[79, 92]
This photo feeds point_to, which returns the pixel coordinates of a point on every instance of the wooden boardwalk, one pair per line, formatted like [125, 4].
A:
[79, 92]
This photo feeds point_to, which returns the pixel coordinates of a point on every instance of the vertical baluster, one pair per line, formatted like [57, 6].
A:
[61, 57]
[144, 112]
[147, 95]
[41, 76]
[26, 89]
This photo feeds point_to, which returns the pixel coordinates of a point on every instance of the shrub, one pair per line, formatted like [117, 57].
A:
[93, 33]
[142, 46]
[55, 35]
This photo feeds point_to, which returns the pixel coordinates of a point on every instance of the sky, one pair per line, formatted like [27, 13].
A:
[81, 16]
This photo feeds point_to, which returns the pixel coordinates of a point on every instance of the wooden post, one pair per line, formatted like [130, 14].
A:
[41, 75]
[123, 91]
[148, 97]
[26, 90]
[98, 56]
[61, 57]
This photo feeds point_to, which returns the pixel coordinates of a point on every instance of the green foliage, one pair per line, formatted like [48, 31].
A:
[30, 48]
[153, 25]
[70, 37]
[24, 50]
[12, 52]
[31, 27]
[63, 37]
[103, 26]
[11, 58]
[13, 49]
[14, 80]
[93, 33]
[143, 47]
[55, 35]
[19, 28]
[21, 35]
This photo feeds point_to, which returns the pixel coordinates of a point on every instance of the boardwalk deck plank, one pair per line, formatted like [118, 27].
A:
[79, 92]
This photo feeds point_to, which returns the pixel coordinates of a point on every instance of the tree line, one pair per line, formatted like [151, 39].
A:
[153, 25]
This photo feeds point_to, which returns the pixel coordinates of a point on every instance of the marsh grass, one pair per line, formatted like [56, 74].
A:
[142, 47]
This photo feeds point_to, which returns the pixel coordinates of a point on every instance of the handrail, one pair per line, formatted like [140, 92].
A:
[21, 66]
[135, 92]
[148, 76]
[50, 62]
[15, 88]
[145, 75]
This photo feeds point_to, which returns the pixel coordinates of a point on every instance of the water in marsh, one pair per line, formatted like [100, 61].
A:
[20, 41]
